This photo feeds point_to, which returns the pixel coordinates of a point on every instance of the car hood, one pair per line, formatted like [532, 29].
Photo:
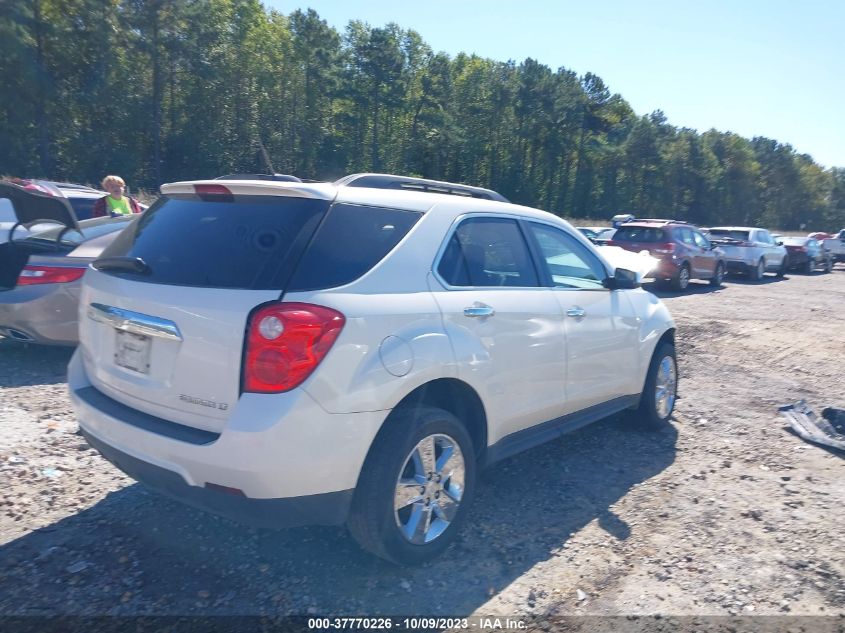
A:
[31, 206]
[641, 263]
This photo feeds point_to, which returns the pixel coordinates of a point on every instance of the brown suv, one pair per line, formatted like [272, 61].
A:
[683, 250]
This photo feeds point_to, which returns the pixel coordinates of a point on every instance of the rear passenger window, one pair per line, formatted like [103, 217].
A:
[350, 242]
[487, 252]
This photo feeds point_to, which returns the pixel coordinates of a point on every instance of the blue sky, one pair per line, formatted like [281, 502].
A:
[756, 68]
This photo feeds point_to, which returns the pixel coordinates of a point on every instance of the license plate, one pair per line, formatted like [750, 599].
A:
[132, 351]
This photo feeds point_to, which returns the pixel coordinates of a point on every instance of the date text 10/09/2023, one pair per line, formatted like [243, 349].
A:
[415, 623]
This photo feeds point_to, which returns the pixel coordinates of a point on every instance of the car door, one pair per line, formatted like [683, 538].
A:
[601, 327]
[505, 327]
[770, 254]
[707, 259]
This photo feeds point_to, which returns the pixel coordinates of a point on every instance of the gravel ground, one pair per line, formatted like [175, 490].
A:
[724, 513]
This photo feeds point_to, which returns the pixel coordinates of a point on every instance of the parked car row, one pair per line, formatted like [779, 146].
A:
[685, 252]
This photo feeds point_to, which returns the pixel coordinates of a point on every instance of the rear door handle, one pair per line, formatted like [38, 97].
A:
[576, 312]
[479, 311]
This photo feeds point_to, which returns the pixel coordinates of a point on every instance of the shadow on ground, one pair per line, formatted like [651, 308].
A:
[23, 364]
[145, 554]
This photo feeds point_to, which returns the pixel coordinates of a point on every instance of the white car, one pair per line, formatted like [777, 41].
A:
[288, 353]
[750, 250]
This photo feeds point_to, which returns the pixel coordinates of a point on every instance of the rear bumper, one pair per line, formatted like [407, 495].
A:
[665, 269]
[44, 314]
[324, 509]
[294, 463]
[736, 266]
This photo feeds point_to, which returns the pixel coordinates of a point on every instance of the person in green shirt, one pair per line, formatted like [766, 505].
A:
[115, 204]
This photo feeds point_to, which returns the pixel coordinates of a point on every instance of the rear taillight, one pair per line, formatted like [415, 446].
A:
[663, 249]
[32, 275]
[611, 243]
[285, 343]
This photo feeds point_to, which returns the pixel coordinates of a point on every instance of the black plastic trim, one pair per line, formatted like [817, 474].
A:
[547, 431]
[144, 421]
[330, 508]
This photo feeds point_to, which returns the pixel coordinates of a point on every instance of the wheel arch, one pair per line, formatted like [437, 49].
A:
[452, 395]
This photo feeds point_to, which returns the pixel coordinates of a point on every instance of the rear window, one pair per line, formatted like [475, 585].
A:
[639, 234]
[733, 235]
[250, 243]
[350, 242]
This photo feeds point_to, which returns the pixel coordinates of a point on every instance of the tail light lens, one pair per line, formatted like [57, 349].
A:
[32, 275]
[663, 249]
[285, 343]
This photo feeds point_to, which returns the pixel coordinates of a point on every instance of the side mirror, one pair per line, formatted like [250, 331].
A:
[779, 243]
[623, 279]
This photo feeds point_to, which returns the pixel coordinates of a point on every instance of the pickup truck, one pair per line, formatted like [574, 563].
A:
[836, 246]
[750, 250]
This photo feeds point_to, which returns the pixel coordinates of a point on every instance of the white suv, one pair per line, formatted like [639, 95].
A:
[288, 353]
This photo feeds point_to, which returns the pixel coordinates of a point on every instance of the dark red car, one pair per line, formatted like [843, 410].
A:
[683, 250]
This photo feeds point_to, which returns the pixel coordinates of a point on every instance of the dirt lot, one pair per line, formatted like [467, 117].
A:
[726, 513]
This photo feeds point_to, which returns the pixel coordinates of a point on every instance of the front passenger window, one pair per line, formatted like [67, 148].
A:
[569, 263]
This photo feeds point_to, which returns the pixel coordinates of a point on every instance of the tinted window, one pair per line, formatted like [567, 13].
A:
[700, 240]
[249, 242]
[351, 240]
[569, 263]
[487, 252]
[742, 236]
[82, 207]
[685, 236]
[639, 234]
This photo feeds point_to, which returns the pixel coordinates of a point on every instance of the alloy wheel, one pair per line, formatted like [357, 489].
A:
[665, 387]
[429, 489]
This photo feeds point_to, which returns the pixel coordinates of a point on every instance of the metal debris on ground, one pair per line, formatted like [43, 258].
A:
[827, 429]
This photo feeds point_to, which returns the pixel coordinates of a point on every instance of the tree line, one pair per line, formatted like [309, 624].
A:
[164, 90]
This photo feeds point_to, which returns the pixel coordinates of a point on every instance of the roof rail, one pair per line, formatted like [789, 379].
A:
[407, 183]
[664, 220]
[275, 177]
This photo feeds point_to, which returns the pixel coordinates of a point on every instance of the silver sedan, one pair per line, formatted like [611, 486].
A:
[40, 277]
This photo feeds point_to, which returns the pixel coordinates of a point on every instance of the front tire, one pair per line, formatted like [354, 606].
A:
[657, 401]
[415, 487]
[809, 266]
[718, 276]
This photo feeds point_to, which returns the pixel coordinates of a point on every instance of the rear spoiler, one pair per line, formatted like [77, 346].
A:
[31, 207]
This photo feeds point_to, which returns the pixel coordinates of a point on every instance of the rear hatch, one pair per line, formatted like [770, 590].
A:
[732, 242]
[638, 238]
[163, 314]
[34, 210]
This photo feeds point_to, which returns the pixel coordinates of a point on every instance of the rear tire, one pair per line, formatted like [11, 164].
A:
[828, 265]
[657, 401]
[809, 266]
[756, 273]
[420, 473]
[718, 276]
[680, 282]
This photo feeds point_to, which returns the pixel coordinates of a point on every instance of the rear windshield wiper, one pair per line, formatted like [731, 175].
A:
[128, 264]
